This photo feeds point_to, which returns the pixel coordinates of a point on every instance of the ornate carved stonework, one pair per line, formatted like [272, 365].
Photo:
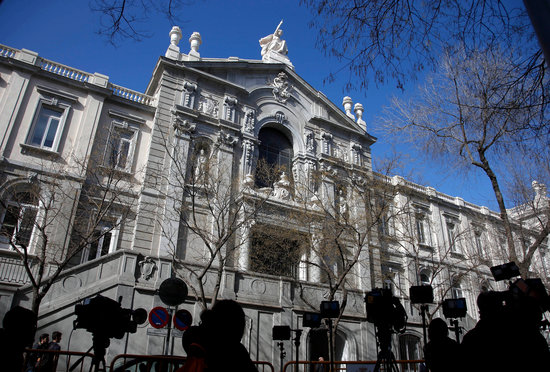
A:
[189, 93]
[147, 268]
[249, 121]
[279, 117]
[182, 126]
[310, 142]
[327, 143]
[281, 188]
[227, 139]
[356, 151]
[230, 108]
[208, 106]
[281, 87]
[248, 153]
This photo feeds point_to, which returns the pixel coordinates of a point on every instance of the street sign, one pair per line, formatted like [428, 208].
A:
[159, 317]
[173, 291]
[183, 319]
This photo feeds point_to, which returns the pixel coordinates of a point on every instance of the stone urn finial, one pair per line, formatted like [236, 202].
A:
[175, 35]
[358, 109]
[195, 40]
[348, 103]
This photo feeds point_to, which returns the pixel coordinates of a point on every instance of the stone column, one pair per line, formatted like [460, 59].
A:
[170, 240]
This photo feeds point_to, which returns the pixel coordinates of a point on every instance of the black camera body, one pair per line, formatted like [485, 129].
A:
[384, 310]
[105, 317]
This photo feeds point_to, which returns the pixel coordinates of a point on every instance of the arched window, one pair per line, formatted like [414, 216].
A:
[456, 289]
[409, 349]
[275, 155]
[17, 219]
[425, 276]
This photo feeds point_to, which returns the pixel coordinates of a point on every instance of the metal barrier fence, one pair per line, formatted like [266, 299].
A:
[342, 365]
[73, 361]
[161, 363]
[146, 363]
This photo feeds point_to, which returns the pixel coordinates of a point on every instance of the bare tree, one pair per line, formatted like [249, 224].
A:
[377, 40]
[127, 19]
[473, 112]
[213, 210]
[41, 215]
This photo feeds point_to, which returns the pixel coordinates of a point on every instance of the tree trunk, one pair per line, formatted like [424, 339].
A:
[512, 254]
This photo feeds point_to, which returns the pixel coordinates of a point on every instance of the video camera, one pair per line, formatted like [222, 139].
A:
[525, 299]
[105, 317]
[385, 310]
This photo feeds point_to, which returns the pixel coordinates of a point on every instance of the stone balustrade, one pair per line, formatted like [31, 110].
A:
[75, 74]
[66, 71]
[12, 270]
[131, 95]
[7, 52]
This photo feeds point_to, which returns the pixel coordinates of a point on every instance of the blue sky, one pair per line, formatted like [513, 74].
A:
[66, 32]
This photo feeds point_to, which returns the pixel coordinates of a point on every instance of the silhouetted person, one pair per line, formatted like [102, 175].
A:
[321, 367]
[19, 327]
[215, 345]
[34, 358]
[442, 353]
[506, 337]
[194, 342]
[49, 360]
[225, 328]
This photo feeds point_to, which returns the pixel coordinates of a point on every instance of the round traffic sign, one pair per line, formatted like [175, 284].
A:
[159, 317]
[173, 291]
[183, 319]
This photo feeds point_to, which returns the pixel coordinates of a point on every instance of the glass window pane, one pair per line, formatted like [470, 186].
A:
[123, 155]
[39, 129]
[47, 116]
[26, 226]
[10, 221]
[106, 244]
[52, 130]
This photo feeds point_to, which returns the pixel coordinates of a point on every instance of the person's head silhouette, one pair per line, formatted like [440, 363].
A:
[229, 319]
[438, 329]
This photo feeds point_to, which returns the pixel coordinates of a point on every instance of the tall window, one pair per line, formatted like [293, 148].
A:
[49, 119]
[422, 229]
[409, 349]
[425, 277]
[456, 289]
[275, 152]
[478, 240]
[18, 219]
[103, 240]
[120, 146]
[45, 128]
[452, 235]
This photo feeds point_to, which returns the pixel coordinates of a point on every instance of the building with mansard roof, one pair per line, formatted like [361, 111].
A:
[234, 175]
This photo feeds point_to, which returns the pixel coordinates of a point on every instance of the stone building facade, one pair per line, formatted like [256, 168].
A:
[222, 119]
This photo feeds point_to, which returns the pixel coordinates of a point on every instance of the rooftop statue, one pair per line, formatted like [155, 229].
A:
[273, 42]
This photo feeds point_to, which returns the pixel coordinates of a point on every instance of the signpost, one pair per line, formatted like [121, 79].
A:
[173, 292]
[183, 319]
[159, 317]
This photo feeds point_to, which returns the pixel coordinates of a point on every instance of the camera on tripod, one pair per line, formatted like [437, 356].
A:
[524, 297]
[105, 317]
[385, 310]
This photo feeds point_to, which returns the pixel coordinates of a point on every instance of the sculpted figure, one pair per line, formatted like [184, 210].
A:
[273, 42]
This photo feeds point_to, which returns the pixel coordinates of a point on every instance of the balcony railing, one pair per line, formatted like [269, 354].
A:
[75, 74]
